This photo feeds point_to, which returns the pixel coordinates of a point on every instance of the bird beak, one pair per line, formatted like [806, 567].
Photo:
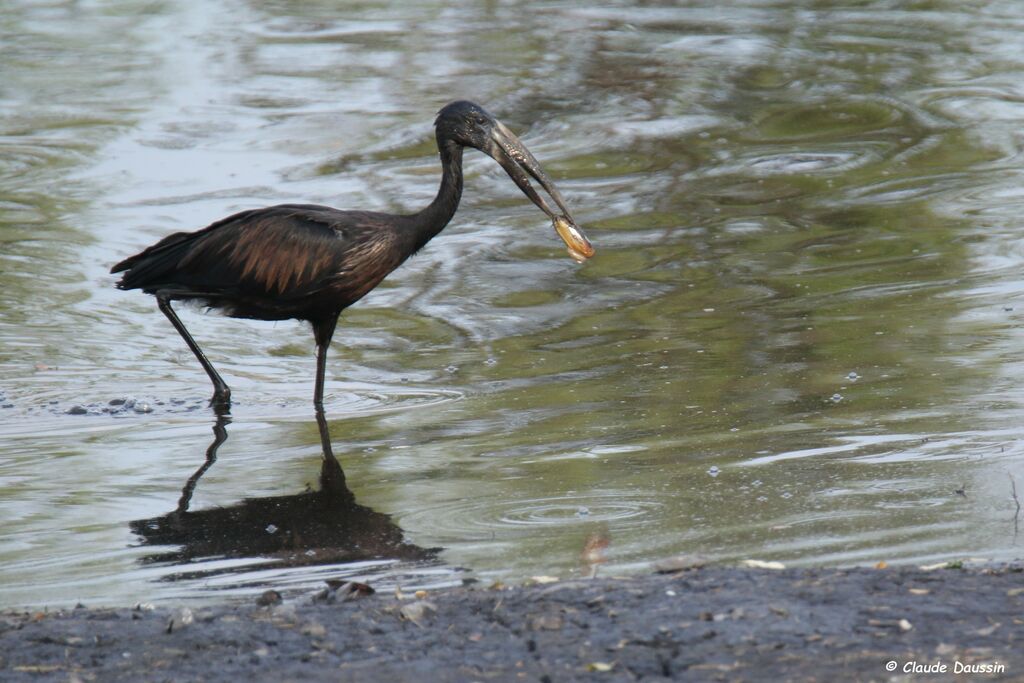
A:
[512, 155]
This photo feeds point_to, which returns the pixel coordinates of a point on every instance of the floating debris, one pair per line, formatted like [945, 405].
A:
[542, 579]
[594, 549]
[348, 590]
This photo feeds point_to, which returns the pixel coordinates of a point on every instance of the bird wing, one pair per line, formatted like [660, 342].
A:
[283, 252]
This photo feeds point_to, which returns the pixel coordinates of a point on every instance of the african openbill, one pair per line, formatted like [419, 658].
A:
[310, 262]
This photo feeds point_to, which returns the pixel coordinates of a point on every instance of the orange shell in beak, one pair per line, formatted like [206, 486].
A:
[580, 248]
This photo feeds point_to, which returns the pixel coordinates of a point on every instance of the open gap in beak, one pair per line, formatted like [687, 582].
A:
[521, 165]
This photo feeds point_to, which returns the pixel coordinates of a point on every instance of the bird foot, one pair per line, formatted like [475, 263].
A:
[221, 401]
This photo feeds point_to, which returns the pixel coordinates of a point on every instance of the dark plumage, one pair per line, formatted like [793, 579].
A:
[287, 261]
[311, 262]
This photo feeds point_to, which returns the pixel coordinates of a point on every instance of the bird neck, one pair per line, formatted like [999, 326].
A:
[431, 220]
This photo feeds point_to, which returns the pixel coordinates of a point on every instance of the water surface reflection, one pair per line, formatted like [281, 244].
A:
[799, 340]
[324, 528]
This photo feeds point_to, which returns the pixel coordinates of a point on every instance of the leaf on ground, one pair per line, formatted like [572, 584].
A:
[417, 612]
[600, 667]
[38, 668]
[762, 564]
[952, 564]
[988, 630]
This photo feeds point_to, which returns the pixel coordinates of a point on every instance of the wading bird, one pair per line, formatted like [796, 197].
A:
[310, 262]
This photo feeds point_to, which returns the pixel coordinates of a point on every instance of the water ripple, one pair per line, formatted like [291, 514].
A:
[484, 515]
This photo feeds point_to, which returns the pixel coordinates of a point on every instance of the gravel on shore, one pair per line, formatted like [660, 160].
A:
[705, 624]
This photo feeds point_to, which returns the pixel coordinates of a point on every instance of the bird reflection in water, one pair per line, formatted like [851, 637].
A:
[316, 527]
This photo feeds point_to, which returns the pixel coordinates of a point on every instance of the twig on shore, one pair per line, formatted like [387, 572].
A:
[1013, 492]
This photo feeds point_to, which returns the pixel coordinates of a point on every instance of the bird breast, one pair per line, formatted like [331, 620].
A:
[365, 264]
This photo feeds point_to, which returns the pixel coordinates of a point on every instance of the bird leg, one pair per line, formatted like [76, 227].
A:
[332, 477]
[221, 400]
[323, 330]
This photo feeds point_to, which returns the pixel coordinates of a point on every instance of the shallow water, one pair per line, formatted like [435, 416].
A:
[799, 340]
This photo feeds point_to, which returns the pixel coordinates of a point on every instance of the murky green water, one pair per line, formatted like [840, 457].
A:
[801, 335]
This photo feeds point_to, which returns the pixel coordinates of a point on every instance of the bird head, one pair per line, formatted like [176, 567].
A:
[470, 125]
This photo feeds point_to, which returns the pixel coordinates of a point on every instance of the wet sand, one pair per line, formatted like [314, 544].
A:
[713, 623]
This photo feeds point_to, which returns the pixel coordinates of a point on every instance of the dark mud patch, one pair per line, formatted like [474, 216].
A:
[714, 623]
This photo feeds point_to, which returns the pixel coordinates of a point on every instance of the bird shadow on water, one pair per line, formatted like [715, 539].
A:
[313, 528]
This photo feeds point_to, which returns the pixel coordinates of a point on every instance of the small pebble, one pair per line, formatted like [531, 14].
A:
[77, 410]
[314, 629]
[181, 618]
[270, 597]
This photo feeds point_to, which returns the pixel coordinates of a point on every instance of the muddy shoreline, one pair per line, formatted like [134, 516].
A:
[713, 623]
